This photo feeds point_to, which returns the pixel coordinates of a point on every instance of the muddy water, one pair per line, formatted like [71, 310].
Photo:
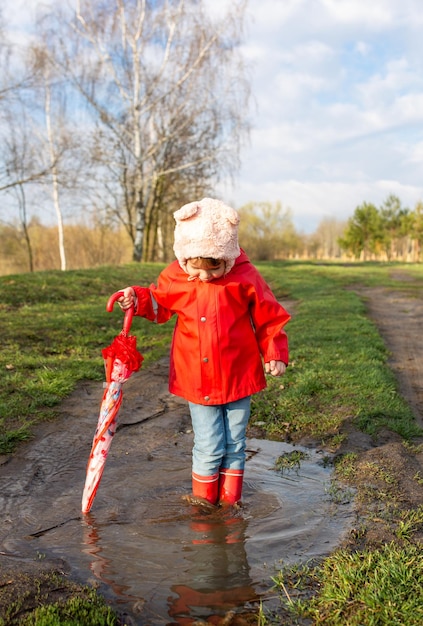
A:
[159, 559]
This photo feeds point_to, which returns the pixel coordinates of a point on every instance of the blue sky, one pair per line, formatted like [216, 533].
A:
[337, 105]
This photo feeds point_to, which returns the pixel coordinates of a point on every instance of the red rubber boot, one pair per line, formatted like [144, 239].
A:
[205, 487]
[230, 485]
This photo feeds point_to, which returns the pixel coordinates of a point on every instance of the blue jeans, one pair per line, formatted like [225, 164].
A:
[219, 436]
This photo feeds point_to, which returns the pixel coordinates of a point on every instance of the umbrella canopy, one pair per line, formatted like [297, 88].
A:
[121, 359]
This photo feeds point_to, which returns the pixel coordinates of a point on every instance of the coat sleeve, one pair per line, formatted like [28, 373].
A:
[151, 301]
[269, 318]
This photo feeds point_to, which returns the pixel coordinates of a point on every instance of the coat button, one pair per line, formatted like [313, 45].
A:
[202, 319]
[206, 398]
[205, 360]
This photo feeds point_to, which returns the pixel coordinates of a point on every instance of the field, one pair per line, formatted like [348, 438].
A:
[353, 389]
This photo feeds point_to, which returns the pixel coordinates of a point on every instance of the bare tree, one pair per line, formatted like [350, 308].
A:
[21, 165]
[267, 232]
[325, 240]
[18, 161]
[167, 90]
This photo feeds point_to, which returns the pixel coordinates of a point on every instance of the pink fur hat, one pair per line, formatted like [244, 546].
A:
[208, 228]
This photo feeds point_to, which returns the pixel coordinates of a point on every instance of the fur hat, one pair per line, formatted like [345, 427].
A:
[208, 228]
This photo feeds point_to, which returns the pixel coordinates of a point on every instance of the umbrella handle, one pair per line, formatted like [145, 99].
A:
[129, 313]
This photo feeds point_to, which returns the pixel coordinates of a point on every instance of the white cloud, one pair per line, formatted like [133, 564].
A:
[360, 12]
[339, 91]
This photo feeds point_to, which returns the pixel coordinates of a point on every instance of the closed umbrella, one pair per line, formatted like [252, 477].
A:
[121, 360]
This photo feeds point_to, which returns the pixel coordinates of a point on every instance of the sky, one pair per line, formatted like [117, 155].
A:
[337, 105]
[338, 116]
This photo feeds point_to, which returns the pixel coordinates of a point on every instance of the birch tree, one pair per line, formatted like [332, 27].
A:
[166, 89]
[54, 173]
[55, 127]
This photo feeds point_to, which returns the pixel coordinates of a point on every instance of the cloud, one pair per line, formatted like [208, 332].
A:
[338, 86]
[360, 12]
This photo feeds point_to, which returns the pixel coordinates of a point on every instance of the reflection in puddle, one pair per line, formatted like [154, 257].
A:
[212, 577]
[180, 562]
[161, 560]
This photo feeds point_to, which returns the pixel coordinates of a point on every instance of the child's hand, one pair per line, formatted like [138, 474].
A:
[128, 298]
[275, 368]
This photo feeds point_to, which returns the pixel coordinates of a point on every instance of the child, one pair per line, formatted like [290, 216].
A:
[228, 319]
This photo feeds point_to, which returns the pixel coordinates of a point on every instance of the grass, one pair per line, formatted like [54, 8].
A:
[290, 461]
[410, 522]
[55, 324]
[54, 327]
[78, 605]
[338, 365]
[372, 588]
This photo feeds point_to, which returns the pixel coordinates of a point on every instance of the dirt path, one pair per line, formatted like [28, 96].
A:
[399, 318]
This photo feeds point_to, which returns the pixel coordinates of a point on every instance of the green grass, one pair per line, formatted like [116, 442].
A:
[36, 605]
[290, 461]
[338, 365]
[371, 588]
[54, 325]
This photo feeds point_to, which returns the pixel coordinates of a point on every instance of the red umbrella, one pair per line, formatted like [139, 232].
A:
[121, 359]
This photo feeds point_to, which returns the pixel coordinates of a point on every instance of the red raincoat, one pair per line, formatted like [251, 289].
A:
[224, 328]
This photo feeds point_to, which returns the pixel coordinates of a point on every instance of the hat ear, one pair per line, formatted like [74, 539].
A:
[187, 211]
[230, 214]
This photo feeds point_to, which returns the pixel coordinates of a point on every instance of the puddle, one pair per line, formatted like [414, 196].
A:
[158, 558]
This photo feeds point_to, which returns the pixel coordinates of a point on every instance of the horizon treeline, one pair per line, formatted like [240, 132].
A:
[390, 232]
